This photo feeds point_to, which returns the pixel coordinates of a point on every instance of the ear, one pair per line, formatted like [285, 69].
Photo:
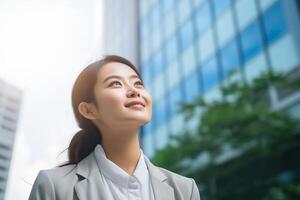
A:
[87, 110]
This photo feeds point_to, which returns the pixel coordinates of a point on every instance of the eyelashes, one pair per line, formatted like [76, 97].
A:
[140, 82]
[113, 83]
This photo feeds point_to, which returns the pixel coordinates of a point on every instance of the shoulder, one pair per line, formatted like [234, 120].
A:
[49, 182]
[46, 176]
[175, 177]
[59, 171]
[182, 185]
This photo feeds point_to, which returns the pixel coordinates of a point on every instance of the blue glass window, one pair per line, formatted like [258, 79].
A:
[183, 10]
[251, 41]
[155, 32]
[146, 74]
[144, 28]
[191, 84]
[209, 74]
[154, 115]
[142, 9]
[169, 25]
[161, 112]
[174, 98]
[203, 18]
[221, 6]
[157, 63]
[275, 23]
[171, 49]
[167, 5]
[156, 39]
[155, 17]
[186, 34]
[230, 57]
[144, 46]
[147, 129]
[150, 69]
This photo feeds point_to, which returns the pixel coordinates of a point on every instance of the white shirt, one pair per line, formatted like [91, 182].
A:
[119, 184]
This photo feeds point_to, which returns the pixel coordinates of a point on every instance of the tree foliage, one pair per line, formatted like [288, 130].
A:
[234, 133]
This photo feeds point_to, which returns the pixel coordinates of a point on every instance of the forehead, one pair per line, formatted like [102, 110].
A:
[115, 68]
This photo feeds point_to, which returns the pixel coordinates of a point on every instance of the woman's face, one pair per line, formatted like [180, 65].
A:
[117, 86]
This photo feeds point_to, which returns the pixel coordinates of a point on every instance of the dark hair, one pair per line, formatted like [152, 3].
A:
[85, 140]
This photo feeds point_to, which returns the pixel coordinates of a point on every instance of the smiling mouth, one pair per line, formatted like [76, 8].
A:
[136, 107]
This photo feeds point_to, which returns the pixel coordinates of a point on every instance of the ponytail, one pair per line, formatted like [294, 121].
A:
[82, 144]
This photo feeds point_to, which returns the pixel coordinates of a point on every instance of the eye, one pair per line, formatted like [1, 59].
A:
[113, 83]
[140, 83]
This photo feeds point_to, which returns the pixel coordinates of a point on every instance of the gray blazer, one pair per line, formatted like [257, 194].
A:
[83, 182]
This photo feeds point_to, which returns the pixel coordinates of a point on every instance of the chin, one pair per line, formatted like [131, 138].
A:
[142, 120]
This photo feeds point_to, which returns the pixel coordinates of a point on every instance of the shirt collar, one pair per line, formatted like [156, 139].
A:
[113, 172]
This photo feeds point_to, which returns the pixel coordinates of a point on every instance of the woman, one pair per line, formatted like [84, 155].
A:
[110, 105]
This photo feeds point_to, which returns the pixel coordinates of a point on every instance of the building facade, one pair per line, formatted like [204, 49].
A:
[120, 29]
[189, 48]
[10, 102]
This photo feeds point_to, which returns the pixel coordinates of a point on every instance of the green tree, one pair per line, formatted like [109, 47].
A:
[239, 138]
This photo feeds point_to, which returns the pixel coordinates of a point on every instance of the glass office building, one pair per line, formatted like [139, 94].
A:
[10, 102]
[120, 20]
[189, 47]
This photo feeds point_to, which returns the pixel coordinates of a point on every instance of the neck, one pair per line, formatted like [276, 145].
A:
[122, 148]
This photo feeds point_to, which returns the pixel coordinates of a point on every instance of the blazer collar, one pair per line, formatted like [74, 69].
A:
[91, 186]
[162, 190]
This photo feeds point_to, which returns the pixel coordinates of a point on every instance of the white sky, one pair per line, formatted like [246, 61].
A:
[44, 45]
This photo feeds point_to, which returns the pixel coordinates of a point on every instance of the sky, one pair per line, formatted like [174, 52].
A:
[44, 46]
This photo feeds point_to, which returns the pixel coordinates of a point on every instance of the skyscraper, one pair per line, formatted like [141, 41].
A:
[189, 47]
[10, 102]
[120, 28]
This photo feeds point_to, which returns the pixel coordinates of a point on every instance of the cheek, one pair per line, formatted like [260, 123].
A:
[148, 95]
[108, 101]
[149, 99]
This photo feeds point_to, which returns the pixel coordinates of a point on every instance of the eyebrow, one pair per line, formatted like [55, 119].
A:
[119, 77]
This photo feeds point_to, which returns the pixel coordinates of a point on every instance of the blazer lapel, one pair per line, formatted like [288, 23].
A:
[90, 185]
[160, 187]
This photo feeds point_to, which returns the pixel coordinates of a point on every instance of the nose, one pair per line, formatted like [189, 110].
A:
[133, 93]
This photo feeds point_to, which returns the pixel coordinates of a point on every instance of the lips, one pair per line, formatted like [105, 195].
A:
[135, 103]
